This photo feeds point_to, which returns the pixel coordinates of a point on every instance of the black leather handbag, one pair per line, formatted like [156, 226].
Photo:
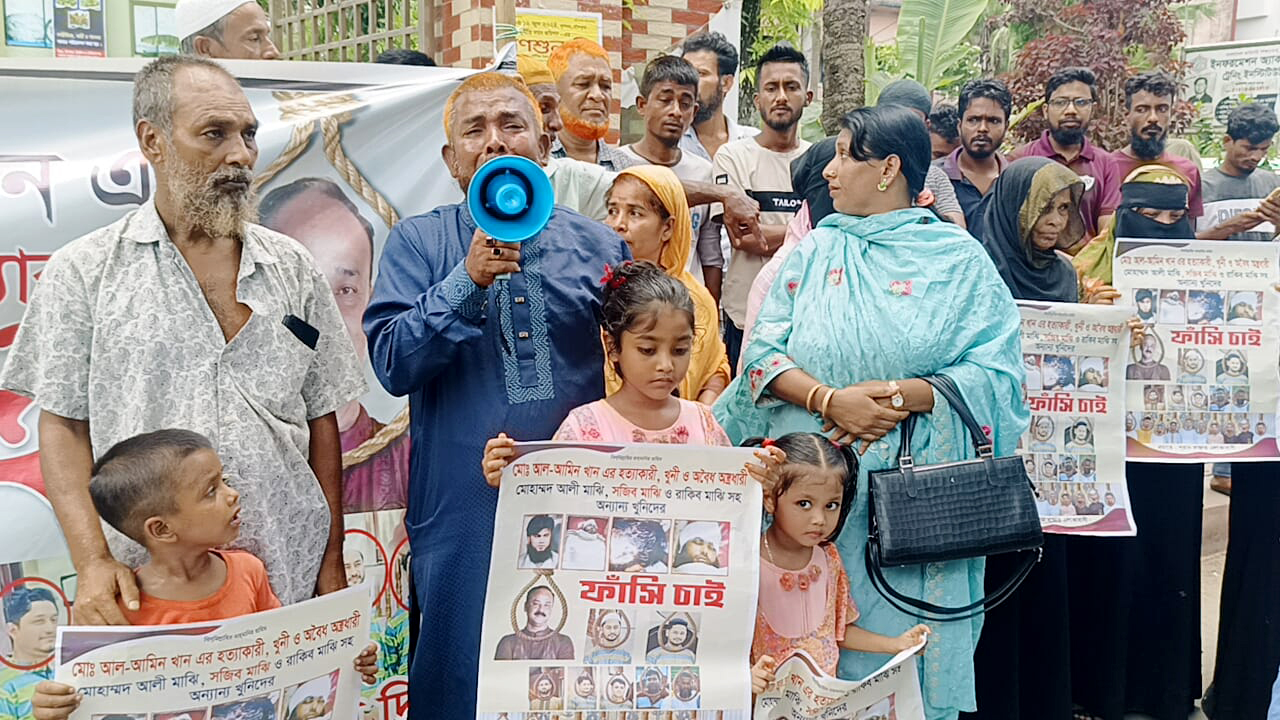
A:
[963, 509]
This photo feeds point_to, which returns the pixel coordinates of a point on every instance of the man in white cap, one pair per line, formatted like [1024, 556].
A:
[698, 551]
[226, 29]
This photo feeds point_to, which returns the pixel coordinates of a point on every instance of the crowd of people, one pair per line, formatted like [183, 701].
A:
[756, 285]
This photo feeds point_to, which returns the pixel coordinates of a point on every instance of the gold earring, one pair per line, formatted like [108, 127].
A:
[884, 184]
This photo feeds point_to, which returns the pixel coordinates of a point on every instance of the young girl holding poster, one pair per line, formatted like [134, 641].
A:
[804, 591]
[648, 322]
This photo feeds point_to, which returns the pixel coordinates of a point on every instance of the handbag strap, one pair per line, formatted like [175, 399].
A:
[938, 613]
[946, 387]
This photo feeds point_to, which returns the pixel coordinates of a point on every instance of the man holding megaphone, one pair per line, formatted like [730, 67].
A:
[484, 314]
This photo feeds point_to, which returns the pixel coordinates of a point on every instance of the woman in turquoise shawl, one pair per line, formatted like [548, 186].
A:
[876, 297]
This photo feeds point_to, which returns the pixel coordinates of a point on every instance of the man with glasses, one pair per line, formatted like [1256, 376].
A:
[1070, 97]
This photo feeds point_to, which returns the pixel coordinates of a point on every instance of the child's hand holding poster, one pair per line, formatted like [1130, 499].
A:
[800, 691]
[294, 663]
[622, 579]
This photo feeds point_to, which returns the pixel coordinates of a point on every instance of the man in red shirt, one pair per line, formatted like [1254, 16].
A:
[1070, 97]
[1149, 99]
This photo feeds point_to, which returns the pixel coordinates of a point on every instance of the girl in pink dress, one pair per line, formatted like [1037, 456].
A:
[648, 321]
[804, 591]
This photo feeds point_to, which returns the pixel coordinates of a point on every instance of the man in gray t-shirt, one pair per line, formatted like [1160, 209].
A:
[1235, 204]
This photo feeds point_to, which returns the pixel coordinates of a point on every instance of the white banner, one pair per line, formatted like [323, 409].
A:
[622, 578]
[1202, 384]
[1074, 448]
[266, 665]
[368, 133]
[365, 136]
[801, 692]
[1220, 74]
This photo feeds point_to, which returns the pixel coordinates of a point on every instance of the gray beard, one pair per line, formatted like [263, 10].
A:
[205, 206]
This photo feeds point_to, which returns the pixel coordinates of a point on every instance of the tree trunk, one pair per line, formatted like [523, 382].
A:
[746, 59]
[844, 32]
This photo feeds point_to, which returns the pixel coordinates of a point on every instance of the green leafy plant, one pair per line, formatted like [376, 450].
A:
[932, 47]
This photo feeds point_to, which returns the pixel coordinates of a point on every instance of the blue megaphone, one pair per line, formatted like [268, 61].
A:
[510, 198]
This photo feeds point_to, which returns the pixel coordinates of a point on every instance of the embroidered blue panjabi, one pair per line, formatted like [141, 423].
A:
[515, 357]
[886, 297]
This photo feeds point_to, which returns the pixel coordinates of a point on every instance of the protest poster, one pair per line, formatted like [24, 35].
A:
[1202, 383]
[78, 29]
[266, 665]
[623, 582]
[1220, 74]
[540, 32]
[340, 131]
[1074, 448]
[376, 551]
[800, 691]
[28, 23]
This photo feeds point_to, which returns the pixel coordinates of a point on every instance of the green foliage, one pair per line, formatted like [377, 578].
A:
[932, 37]
[782, 21]
[766, 23]
[811, 122]
[1207, 136]
[933, 47]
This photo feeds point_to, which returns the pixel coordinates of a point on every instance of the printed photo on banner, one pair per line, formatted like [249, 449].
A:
[35, 600]
[1073, 449]
[1202, 383]
[801, 692]
[292, 663]
[620, 583]
[376, 551]
[339, 206]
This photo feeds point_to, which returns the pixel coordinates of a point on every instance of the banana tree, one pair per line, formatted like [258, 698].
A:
[931, 41]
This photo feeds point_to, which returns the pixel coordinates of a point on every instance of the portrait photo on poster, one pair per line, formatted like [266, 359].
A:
[672, 638]
[313, 699]
[686, 688]
[364, 560]
[194, 714]
[540, 546]
[608, 637]
[582, 689]
[1094, 374]
[617, 692]
[639, 545]
[263, 707]
[652, 688]
[586, 543]
[540, 615]
[701, 547]
[31, 611]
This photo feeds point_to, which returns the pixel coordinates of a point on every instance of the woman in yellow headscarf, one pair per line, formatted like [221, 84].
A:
[647, 207]
[1153, 204]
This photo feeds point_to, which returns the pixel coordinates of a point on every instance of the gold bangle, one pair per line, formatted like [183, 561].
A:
[826, 401]
[808, 399]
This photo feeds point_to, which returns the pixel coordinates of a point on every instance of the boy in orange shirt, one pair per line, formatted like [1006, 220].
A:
[165, 490]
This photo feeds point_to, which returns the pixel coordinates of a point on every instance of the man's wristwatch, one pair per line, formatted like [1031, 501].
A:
[896, 399]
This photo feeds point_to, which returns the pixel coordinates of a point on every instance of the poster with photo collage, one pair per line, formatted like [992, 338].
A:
[1202, 383]
[622, 585]
[1074, 447]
